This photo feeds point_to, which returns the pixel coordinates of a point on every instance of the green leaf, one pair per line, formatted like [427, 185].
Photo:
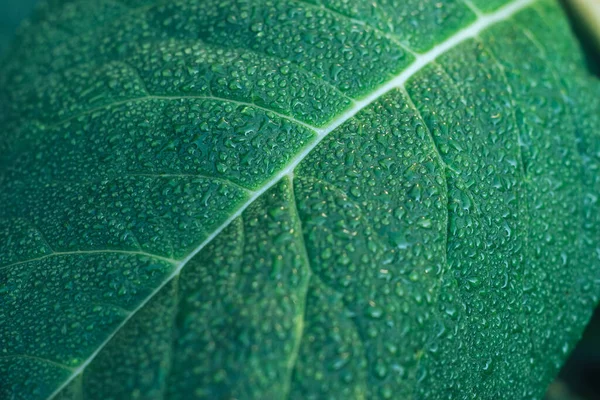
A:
[284, 199]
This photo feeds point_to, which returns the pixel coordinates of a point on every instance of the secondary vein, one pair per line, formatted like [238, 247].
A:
[301, 316]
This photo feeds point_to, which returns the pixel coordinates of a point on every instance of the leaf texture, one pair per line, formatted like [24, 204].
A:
[295, 200]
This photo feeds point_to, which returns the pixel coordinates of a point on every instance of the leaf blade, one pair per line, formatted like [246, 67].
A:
[289, 166]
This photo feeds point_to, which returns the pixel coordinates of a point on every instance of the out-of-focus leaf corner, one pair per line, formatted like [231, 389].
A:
[559, 390]
[12, 12]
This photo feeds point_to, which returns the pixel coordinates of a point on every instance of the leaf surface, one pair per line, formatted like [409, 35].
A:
[295, 199]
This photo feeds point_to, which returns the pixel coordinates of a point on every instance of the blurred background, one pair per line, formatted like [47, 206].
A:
[12, 12]
[579, 378]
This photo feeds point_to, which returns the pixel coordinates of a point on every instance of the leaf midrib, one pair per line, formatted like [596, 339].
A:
[482, 22]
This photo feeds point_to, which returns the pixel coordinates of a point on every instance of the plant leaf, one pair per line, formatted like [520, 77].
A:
[287, 199]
